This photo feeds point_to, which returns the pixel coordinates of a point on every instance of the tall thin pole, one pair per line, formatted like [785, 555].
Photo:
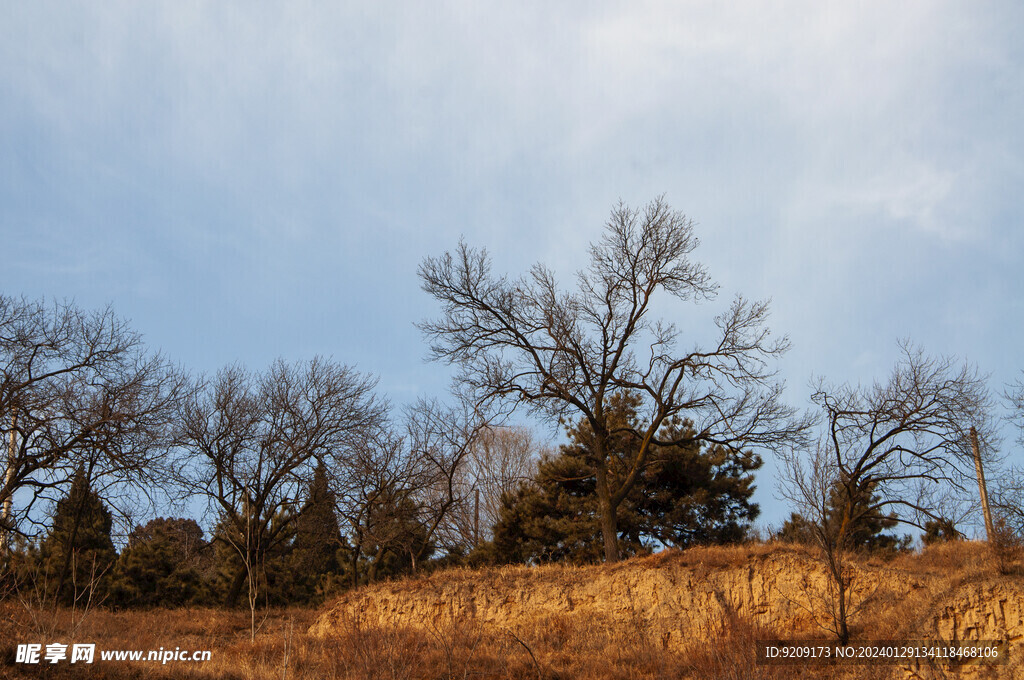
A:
[982, 489]
[12, 452]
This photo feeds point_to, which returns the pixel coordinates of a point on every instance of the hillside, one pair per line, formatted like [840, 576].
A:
[679, 605]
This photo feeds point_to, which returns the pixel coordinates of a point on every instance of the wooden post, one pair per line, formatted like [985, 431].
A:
[982, 489]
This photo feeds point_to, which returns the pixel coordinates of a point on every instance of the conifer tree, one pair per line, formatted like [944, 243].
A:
[395, 537]
[78, 553]
[318, 550]
[161, 565]
[269, 577]
[866, 527]
[688, 494]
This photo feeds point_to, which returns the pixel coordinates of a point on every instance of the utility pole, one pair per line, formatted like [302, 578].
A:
[982, 489]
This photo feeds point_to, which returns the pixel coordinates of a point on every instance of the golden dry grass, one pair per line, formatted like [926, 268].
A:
[555, 648]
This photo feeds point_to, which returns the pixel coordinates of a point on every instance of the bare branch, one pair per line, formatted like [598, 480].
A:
[564, 354]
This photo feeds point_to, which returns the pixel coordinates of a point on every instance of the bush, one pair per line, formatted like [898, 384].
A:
[1006, 547]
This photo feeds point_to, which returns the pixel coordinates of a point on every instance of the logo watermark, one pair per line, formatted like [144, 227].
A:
[86, 653]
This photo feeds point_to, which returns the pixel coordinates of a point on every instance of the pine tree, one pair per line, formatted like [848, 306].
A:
[394, 536]
[318, 550]
[160, 566]
[939, 531]
[866, 528]
[687, 494]
[269, 566]
[551, 519]
[77, 554]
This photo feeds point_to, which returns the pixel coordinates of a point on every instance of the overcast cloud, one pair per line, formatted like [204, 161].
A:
[245, 182]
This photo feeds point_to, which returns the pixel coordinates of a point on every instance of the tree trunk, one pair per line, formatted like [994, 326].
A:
[372, 575]
[982, 488]
[5, 517]
[844, 628]
[838, 591]
[355, 564]
[476, 520]
[609, 525]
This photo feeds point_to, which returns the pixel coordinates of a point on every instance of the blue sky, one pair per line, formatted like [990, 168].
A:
[246, 181]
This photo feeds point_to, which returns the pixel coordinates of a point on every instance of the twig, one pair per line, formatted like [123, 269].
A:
[529, 651]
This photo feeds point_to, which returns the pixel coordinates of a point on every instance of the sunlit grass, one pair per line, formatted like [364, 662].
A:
[548, 646]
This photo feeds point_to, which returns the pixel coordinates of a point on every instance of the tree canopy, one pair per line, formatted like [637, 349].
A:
[866, 529]
[688, 494]
[77, 554]
[161, 565]
[565, 354]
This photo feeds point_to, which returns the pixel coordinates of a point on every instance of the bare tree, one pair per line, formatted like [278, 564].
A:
[252, 442]
[372, 492]
[502, 457]
[403, 494]
[1014, 396]
[442, 439]
[1008, 482]
[1008, 498]
[525, 341]
[882, 453]
[812, 486]
[78, 389]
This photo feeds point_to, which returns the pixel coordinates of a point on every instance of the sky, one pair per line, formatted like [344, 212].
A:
[247, 181]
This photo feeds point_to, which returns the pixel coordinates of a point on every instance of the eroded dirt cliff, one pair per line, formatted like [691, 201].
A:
[679, 599]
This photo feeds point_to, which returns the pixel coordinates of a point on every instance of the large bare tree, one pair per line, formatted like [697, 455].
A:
[442, 438]
[78, 390]
[526, 341]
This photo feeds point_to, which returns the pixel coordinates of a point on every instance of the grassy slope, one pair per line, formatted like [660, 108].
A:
[526, 628]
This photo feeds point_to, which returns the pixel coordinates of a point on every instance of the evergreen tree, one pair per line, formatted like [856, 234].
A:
[796, 529]
[940, 531]
[270, 565]
[77, 554]
[161, 565]
[865, 530]
[552, 518]
[394, 535]
[687, 494]
[318, 551]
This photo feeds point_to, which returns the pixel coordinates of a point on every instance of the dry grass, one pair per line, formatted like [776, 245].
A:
[965, 561]
[554, 649]
[720, 556]
[546, 647]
